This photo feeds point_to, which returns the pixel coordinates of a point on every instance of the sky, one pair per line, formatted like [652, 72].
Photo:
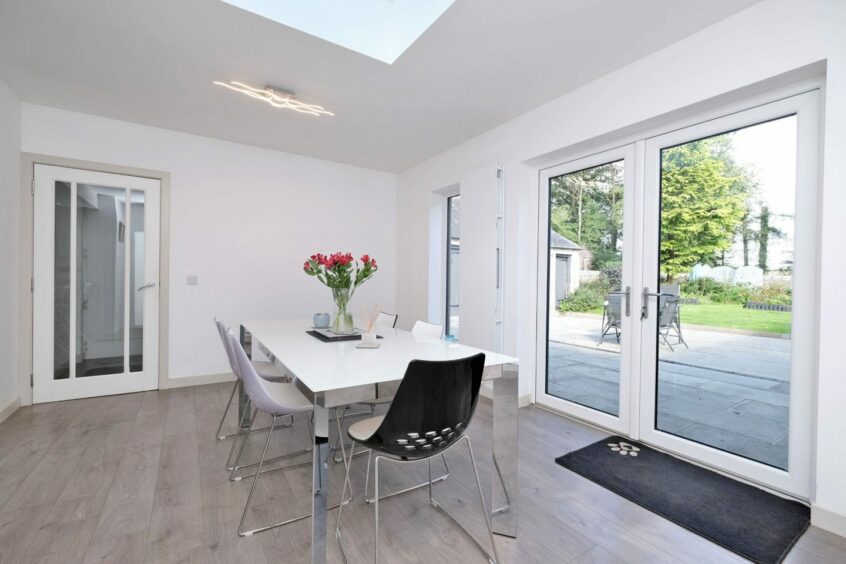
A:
[769, 151]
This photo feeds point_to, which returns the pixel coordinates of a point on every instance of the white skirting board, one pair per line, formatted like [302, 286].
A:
[196, 380]
[829, 520]
[7, 411]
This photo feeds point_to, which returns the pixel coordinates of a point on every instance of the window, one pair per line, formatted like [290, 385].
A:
[452, 269]
[586, 304]
[382, 29]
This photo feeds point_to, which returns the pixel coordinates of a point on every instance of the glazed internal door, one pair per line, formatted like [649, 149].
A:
[95, 283]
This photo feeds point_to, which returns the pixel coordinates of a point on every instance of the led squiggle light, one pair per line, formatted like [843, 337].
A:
[276, 97]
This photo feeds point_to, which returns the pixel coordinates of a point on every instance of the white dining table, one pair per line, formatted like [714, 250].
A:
[338, 374]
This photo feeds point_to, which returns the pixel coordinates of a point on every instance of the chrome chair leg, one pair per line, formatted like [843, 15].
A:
[344, 502]
[241, 531]
[241, 431]
[259, 471]
[367, 475]
[347, 462]
[260, 429]
[230, 466]
[335, 448]
[217, 435]
[492, 559]
[428, 483]
[233, 475]
[429, 468]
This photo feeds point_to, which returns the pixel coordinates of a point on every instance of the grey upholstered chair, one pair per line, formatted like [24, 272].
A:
[265, 369]
[277, 399]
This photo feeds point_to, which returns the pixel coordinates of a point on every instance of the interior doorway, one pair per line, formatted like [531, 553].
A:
[95, 283]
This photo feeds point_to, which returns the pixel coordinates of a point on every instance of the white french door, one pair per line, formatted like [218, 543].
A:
[95, 278]
[582, 354]
[716, 245]
[734, 392]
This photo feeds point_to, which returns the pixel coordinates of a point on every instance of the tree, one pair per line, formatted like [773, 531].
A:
[587, 208]
[765, 231]
[704, 196]
[747, 234]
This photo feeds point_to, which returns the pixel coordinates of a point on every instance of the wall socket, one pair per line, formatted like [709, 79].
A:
[192, 279]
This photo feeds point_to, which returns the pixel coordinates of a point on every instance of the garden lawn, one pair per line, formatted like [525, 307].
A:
[734, 316]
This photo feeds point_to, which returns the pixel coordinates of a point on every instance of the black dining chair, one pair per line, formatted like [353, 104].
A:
[429, 415]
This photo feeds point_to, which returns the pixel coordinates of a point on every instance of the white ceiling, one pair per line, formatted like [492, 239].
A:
[483, 62]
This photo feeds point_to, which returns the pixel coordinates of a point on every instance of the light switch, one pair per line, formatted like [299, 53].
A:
[192, 280]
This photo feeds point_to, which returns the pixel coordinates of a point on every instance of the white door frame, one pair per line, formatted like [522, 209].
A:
[637, 407]
[619, 424]
[45, 387]
[797, 479]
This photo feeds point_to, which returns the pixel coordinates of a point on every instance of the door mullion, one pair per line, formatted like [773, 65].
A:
[72, 310]
[127, 283]
[638, 236]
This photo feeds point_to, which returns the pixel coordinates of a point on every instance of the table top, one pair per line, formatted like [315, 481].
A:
[334, 366]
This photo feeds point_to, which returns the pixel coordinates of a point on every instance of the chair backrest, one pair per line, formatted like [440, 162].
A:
[669, 308]
[428, 330]
[386, 320]
[432, 407]
[673, 289]
[223, 330]
[257, 388]
[614, 308]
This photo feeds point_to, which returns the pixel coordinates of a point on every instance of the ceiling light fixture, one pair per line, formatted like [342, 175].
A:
[276, 97]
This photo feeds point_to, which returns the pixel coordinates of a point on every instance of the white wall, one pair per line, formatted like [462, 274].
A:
[762, 42]
[10, 144]
[243, 220]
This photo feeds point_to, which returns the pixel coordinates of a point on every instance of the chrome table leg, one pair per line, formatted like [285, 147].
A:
[505, 430]
[320, 483]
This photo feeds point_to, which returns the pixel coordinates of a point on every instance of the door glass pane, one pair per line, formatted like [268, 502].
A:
[725, 274]
[137, 281]
[61, 282]
[453, 255]
[585, 275]
[101, 244]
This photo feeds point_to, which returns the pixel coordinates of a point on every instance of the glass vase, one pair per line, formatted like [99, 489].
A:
[343, 323]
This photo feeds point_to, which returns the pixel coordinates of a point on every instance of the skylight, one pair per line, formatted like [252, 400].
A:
[381, 29]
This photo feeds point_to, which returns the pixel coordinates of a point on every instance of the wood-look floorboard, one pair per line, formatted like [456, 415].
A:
[139, 478]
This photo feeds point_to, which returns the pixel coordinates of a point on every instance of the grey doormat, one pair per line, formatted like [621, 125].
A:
[755, 524]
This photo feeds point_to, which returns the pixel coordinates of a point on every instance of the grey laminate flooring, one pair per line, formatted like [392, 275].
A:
[139, 478]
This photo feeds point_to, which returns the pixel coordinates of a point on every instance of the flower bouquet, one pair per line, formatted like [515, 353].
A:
[342, 275]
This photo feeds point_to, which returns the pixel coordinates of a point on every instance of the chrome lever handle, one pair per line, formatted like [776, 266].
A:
[147, 285]
[644, 308]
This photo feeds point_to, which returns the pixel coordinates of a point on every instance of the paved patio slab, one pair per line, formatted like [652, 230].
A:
[727, 390]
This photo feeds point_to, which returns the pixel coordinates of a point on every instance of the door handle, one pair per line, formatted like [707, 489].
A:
[628, 294]
[147, 285]
[498, 269]
[644, 308]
